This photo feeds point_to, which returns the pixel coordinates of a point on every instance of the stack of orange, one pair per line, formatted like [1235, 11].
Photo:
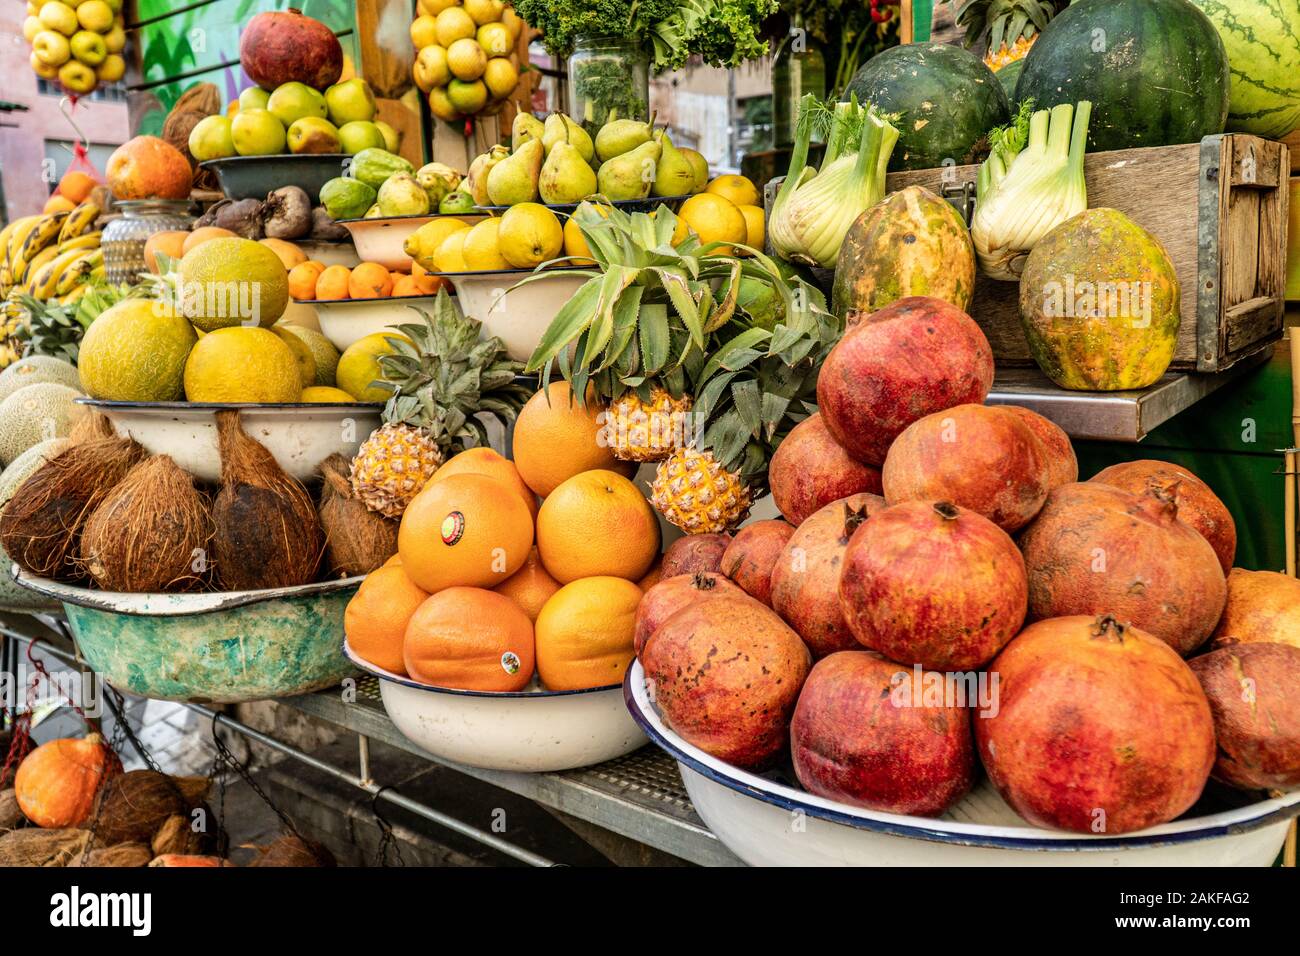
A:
[369, 280]
[74, 188]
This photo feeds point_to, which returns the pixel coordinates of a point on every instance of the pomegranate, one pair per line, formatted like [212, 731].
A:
[693, 553]
[1198, 506]
[671, 595]
[753, 553]
[284, 46]
[1252, 694]
[810, 470]
[1263, 607]
[1099, 727]
[806, 579]
[725, 674]
[857, 737]
[914, 357]
[933, 584]
[1062, 464]
[976, 456]
[1095, 549]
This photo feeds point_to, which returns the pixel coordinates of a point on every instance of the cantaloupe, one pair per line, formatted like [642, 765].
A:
[37, 368]
[12, 597]
[32, 414]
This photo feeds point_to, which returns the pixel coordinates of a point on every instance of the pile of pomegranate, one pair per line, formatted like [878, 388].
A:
[890, 636]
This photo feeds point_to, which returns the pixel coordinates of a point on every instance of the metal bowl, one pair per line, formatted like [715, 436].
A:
[381, 239]
[754, 816]
[300, 436]
[252, 177]
[222, 648]
[534, 731]
[520, 316]
[345, 321]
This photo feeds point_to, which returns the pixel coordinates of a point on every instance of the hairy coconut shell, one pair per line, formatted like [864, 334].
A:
[202, 98]
[121, 856]
[178, 836]
[150, 533]
[133, 806]
[357, 540]
[89, 427]
[41, 525]
[32, 846]
[290, 850]
[11, 815]
[267, 532]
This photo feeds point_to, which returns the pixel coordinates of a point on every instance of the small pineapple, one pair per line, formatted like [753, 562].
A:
[1008, 28]
[648, 430]
[392, 466]
[692, 490]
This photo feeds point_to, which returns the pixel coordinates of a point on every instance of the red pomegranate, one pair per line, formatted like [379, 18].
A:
[933, 584]
[1062, 464]
[694, 553]
[917, 356]
[977, 456]
[1095, 549]
[1263, 607]
[810, 470]
[725, 674]
[806, 579]
[1099, 728]
[858, 737]
[1252, 694]
[752, 555]
[671, 595]
[1198, 506]
[280, 47]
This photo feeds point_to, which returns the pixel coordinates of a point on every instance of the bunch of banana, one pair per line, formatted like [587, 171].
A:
[51, 255]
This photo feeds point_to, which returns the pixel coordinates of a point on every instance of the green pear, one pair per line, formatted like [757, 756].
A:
[701, 167]
[402, 195]
[621, 136]
[674, 174]
[514, 179]
[560, 129]
[630, 175]
[566, 176]
[476, 181]
[526, 127]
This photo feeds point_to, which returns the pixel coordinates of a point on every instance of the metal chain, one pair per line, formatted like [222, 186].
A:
[386, 839]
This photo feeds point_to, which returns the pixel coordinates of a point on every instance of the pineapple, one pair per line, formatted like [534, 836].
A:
[441, 381]
[648, 430]
[1008, 28]
[692, 490]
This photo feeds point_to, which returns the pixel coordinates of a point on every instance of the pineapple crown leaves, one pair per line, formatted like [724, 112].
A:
[56, 329]
[1003, 22]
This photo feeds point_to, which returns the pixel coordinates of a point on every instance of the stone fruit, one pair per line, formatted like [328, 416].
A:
[810, 470]
[725, 674]
[670, 595]
[279, 47]
[980, 457]
[895, 366]
[211, 139]
[1062, 464]
[806, 578]
[1095, 549]
[313, 134]
[751, 555]
[934, 585]
[693, 553]
[1198, 505]
[351, 101]
[257, 133]
[146, 167]
[294, 101]
[1252, 694]
[1263, 606]
[858, 737]
[1100, 728]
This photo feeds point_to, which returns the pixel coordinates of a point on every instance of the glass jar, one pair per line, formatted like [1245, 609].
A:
[798, 68]
[609, 79]
[124, 237]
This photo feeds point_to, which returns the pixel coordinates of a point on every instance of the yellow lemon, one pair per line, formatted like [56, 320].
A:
[450, 254]
[242, 364]
[481, 250]
[755, 223]
[530, 234]
[576, 245]
[324, 395]
[422, 244]
[359, 367]
[738, 189]
[714, 219]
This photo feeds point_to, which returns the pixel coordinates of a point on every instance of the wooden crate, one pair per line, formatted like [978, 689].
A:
[1220, 209]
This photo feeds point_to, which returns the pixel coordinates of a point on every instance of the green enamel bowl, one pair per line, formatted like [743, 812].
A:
[220, 648]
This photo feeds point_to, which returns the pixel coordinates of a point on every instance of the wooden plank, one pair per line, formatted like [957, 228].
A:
[1292, 141]
[1255, 162]
[1247, 323]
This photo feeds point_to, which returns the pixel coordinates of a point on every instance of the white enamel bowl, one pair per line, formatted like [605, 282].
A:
[381, 239]
[533, 731]
[299, 435]
[346, 321]
[520, 315]
[767, 823]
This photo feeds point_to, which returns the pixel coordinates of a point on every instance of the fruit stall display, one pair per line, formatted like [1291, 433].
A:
[77, 45]
[465, 60]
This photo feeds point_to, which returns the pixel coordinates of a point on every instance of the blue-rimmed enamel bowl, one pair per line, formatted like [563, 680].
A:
[768, 823]
[518, 314]
[535, 731]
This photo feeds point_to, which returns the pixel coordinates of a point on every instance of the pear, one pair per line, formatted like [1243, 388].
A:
[402, 195]
[566, 176]
[674, 174]
[526, 127]
[630, 175]
[701, 167]
[621, 136]
[514, 179]
[560, 129]
[476, 181]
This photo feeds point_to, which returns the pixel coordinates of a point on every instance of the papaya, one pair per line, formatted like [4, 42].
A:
[1099, 304]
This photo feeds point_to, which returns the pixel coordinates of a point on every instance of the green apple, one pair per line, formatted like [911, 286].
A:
[77, 77]
[291, 102]
[314, 134]
[392, 138]
[350, 101]
[51, 48]
[254, 98]
[95, 15]
[59, 17]
[359, 135]
[211, 138]
[257, 133]
[88, 47]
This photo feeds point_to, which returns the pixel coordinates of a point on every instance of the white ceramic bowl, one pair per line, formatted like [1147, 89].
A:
[380, 240]
[300, 436]
[345, 321]
[533, 731]
[767, 823]
[330, 253]
[520, 315]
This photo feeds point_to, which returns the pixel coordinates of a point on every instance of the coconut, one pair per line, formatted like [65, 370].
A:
[357, 540]
[11, 815]
[32, 846]
[121, 856]
[133, 806]
[150, 532]
[267, 532]
[290, 850]
[42, 522]
[89, 427]
[178, 836]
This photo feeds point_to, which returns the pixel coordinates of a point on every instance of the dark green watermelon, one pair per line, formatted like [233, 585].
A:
[1009, 75]
[1155, 71]
[946, 98]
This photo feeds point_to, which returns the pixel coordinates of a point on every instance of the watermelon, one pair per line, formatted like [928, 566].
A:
[1155, 71]
[947, 100]
[1262, 38]
[1009, 75]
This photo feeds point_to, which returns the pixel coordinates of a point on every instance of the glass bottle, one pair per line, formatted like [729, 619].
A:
[798, 68]
[609, 79]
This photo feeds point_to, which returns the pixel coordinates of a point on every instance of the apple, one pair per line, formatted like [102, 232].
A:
[211, 139]
[359, 135]
[95, 15]
[88, 47]
[257, 133]
[42, 69]
[431, 68]
[112, 69]
[350, 101]
[314, 134]
[51, 48]
[76, 77]
[115, 39]
[392, 138]
[254, 98]
[31, 27]
[293, 101]
[114, 5]
[59, 17]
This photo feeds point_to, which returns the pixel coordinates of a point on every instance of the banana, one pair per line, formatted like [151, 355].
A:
[8, 231]
[22, 228]
[73, 297]
[40, 268]
[41, 284]
[79, 221]
[87, 240]
[69, 275]
[46, 231]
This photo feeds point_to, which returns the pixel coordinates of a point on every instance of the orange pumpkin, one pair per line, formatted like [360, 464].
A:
[56, 783]
[182, 859]
[470, 639]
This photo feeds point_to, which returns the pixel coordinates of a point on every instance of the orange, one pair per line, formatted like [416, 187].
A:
[597, 523]
[370, 280]
[406, 285]
[466, 530]
[76, 185]
[58, 203]
[584, 633]
[303, 277]
[654, 577]
[333, 283]
[736, 189]
[376, 618]
[485, 461]
[203, 234]
[428, 282]
[470, 639]
[530, 587]
[556, 439]
[170, 244]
